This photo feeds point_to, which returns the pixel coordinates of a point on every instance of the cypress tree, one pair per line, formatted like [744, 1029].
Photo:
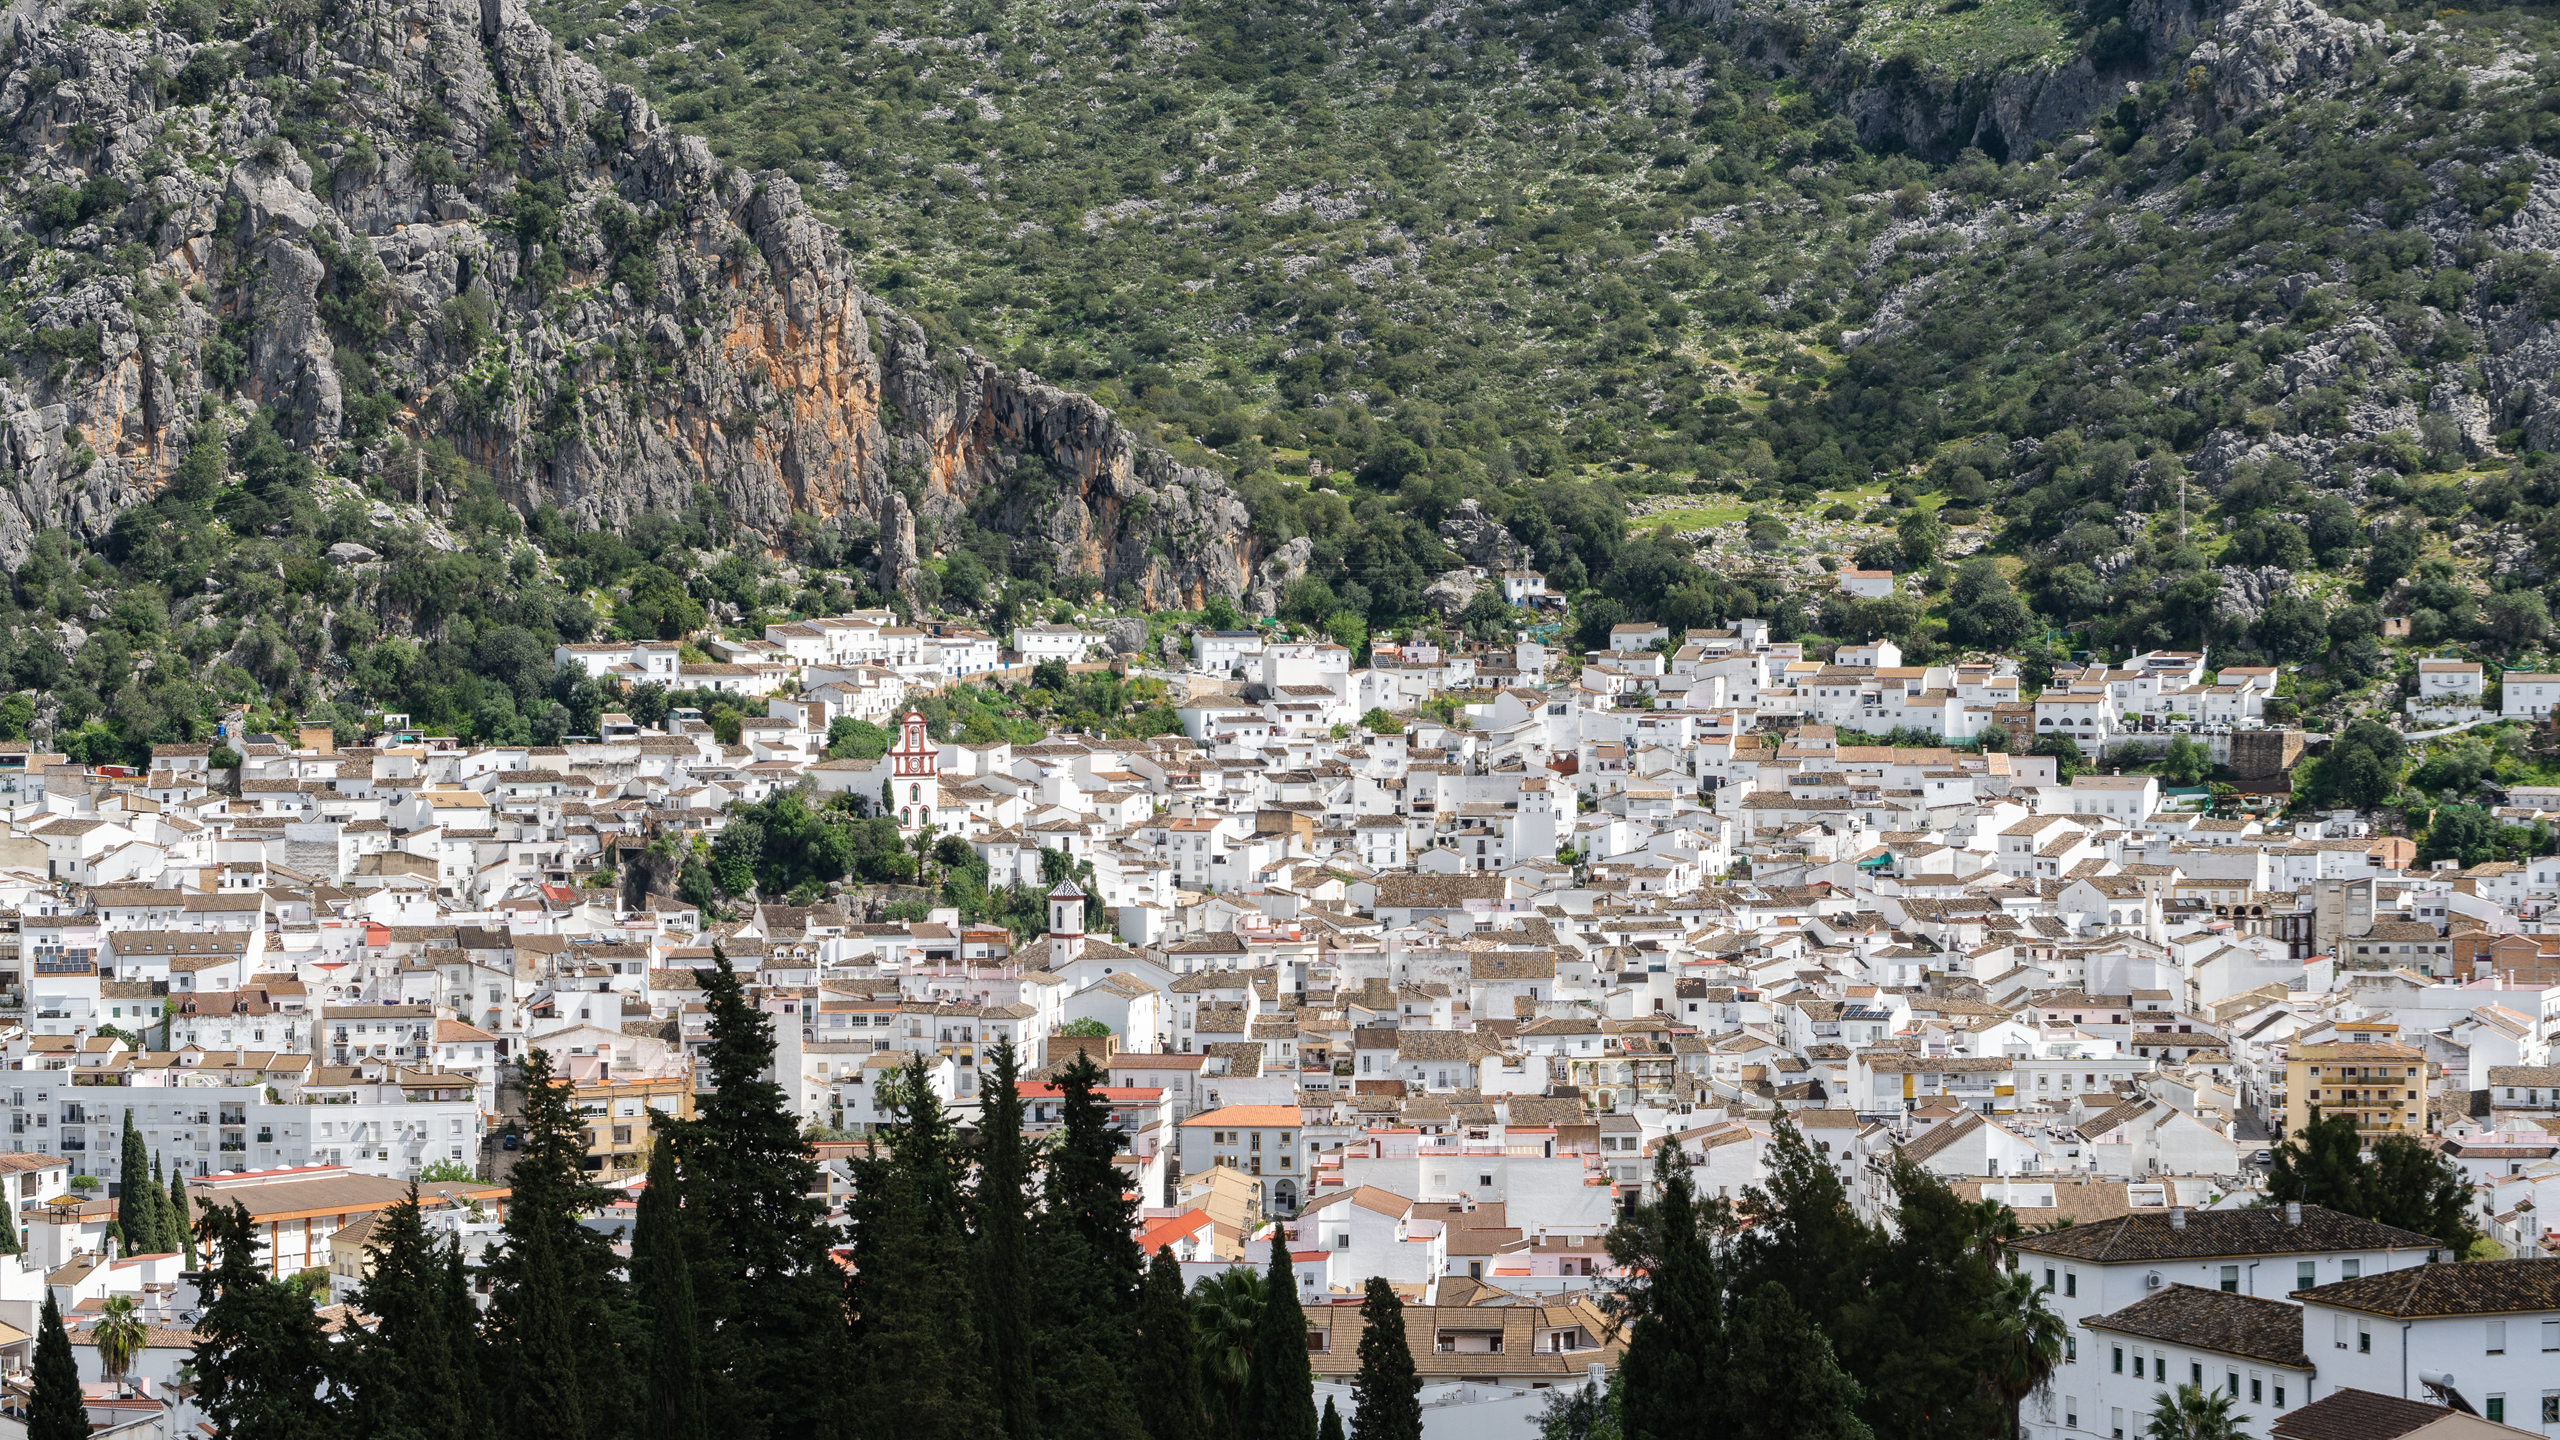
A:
[57, 1412]
[1388, 1390]
[554, 1283]
[164, 1217]
[1280, 1394]
[662, 1270]
[919, 1353]
[1672, 1359]
[405, 1375]
[10, 1244]
[768, 1265]
[261, 1362]
[136, 1215]
[1168, 1356]
[1086, 1187]
[1331, 1426]
[1782, 1381]
[1002, 1251]
[185, 1214]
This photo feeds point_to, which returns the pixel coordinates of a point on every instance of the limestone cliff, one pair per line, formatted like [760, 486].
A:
[392, 224]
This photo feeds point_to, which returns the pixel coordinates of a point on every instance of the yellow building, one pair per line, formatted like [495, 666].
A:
[2384, 1086]
[620, 1116]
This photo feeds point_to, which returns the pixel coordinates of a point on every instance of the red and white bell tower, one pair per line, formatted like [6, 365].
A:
[914, 771]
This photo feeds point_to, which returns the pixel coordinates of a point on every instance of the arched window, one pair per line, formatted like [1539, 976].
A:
[915, 792]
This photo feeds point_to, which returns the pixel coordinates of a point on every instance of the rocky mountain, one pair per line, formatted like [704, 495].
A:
[396, 227]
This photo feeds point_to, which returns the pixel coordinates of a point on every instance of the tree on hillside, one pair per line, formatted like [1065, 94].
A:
[137, 1213]
[1001, 1259]
[57, 1411]
[555, 1288]
[1168, 1355]
[1674, 1359]
[1280, 1394]
[1388, 1391]
[663, 1251]
[767, 1264]
[414, 1373]
[262, 1365]
[1782, 1381]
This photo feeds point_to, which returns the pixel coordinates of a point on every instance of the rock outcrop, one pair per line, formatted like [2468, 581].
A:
[422, 224]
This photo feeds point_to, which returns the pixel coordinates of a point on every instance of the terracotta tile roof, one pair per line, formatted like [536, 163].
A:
[2190, 1315]
[2262, 1231]
[2355, 1415]
[2479, 1287]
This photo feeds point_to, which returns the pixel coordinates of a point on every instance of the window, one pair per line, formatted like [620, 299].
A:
[1484, 1182]
[2350, 1269]
[2118, 1365]
[2137, 1364]
[2230, 1279]
[2279, 1397]
[2195, 1373]
[2551, 1407]
[2550, 1336]
[2495, 1412]
[2071, 1412]
[2364, 1339]
[2048, 1280]
[2306, 1274]
[2231, 1383]
[2071, 1349]
[2257, 1394]
[2070, 1282]
[2115, 1424]
[2497, 1337]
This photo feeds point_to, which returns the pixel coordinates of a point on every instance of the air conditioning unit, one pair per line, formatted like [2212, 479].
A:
[2151, 1281]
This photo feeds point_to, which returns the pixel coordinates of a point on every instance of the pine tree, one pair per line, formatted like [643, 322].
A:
[1002, 1251]
[1672, 1358]
[662, 1269]
[1168, 1356]
[406, 1375]
[1330, 1428]
[261, 1362]
[136, 1215]
[185, 1212]
[768, 1266]
[58, 1411]
[1280, 1395]
[1389, 1391]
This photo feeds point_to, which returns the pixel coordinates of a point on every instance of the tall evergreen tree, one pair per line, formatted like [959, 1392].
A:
[406, 1375]
[554, 1294]
[1781, 1381]
[1086, 1185]
[136, 1214]
[1672, 1356]
[1002, 1251]
[261, 1362]
[1168, 1356]
[1388, 1391]
[1330, 1428]
[768, 1265]
[180, 1207]
[164, 1215]
[918, 1358]
[57, 1411]
[1280, 1395]
[662, 1271]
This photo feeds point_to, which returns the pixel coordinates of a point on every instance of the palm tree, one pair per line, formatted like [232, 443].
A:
[120, 1334]
[2194, 1413]
[2027, 1341]
[1227, 1307]
[1994, 1225]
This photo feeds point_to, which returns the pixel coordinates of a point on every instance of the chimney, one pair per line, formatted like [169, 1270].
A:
[2177, 1217]
[2293, 1212]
